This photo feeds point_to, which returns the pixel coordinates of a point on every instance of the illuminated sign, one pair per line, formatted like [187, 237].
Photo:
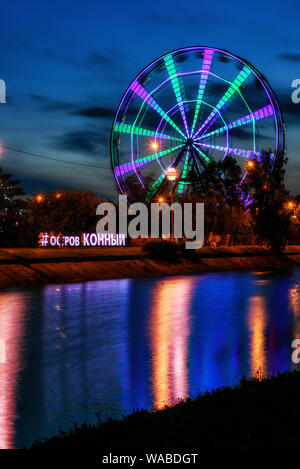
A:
[85, 240]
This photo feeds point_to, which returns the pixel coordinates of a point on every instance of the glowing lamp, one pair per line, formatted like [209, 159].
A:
[172, 174]
[250, 164]
[161, 200]
[39, 198]
[154, 145]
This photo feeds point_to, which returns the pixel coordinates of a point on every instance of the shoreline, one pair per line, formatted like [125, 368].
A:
[31, 267]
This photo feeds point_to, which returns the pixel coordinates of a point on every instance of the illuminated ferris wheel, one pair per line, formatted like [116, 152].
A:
[186, 109]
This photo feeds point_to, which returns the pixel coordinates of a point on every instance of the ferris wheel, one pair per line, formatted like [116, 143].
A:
[186, 109]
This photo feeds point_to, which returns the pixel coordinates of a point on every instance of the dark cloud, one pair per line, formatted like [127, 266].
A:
[242, 133]
[290, 110]
[109, 58]
[37, 97]
[81, 141]
[290, 57]
[96, 112]
[52, 105]
[57, 56]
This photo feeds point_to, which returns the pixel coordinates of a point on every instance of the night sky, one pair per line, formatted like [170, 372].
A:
[67, 63]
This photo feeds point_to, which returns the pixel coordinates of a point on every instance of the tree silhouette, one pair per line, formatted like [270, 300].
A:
[11, 210]
[267, 193]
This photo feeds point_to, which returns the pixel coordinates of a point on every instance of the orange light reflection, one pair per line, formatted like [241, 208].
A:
[11, 335]
[170, 330]
[257, 328]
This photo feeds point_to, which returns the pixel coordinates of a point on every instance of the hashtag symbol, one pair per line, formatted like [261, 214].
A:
[43, 239]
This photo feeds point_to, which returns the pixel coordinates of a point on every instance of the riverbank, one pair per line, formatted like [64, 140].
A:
[254, 414]
[22, 267]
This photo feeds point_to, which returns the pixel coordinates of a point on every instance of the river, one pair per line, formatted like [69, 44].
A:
[70, 351]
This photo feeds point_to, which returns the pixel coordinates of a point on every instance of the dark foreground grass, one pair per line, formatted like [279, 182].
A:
[255, 413]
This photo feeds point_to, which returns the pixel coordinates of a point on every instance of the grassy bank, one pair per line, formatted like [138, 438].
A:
[254, 414]
[27, 267]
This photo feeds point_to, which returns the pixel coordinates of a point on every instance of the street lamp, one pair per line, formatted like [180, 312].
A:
[39, 198]
[250, 164]
[172, 175]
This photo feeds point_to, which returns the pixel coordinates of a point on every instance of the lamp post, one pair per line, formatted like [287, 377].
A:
[172, 175]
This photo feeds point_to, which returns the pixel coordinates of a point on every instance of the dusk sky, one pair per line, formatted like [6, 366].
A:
[67, 63]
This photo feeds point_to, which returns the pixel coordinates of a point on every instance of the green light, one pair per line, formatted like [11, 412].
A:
[128, 167]
[134, 130]
[203, 155]
[178, 90]
[183, 175]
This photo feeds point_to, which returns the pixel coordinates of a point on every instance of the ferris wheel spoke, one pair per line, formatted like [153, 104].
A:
[135, 130]
[178, 88]
[262, 113]
[207, 59]
[233, 151]
[181, 182]
[203, 156]
[230, 93]
[145, 96]
[155, 186]
[141, 162]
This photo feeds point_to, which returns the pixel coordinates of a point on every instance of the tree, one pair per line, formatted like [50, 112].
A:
[220, 189]
[69, 212]
[11, 210]
[265, 186]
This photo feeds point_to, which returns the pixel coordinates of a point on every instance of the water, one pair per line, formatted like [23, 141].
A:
[68, 351]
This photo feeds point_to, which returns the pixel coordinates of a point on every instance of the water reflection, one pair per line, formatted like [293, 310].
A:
[170, 330]
[69, 351]
[12, 309]
[257, 329]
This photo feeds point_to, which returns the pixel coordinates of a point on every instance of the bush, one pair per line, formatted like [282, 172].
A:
[161, 249]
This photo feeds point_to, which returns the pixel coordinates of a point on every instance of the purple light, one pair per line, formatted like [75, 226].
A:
[262, 113]
[233, 151]
[145, 96]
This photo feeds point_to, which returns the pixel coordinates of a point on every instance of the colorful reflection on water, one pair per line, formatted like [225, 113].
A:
[69, 351]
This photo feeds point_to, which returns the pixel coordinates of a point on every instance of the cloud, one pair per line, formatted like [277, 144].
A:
[290, 57]
[54, 55]
[108, 59]
[94, 112]
[81, 141]
[291, 111]
[97, 112]
[52, 105]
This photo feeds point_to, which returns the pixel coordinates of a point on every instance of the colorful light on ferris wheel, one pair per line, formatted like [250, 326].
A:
[199, 108]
